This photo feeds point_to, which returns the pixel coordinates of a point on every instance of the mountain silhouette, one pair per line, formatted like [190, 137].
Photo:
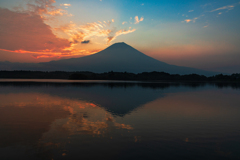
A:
[118, 57]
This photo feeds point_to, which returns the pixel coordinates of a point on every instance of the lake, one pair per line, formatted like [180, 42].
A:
[61, 119]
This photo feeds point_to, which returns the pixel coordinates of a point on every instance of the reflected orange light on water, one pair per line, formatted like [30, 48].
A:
[51, 121]
[80, 117]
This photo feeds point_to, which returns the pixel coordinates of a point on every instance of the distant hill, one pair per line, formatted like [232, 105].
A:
[119, 57]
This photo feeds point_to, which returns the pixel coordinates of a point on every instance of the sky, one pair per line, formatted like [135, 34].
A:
[202, 34]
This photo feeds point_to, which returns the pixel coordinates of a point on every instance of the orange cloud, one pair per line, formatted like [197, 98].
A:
[188, 20]
[45, 7]
[192, 20]
[51, 54]
[66, 5]
[22, 31]
[26, 32]
[137, 20]
[83, 32]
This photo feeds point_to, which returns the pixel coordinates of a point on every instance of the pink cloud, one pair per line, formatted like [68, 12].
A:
[22, 31]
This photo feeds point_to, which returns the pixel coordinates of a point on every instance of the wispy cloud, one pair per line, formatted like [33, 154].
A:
[124, 22]
[82, 32]
[137, 20]
[66, 5]
[229, 7]
[187, 20]
[46, 8]
[192, 20]
[205, 5]
[120, 32]
[205, 26]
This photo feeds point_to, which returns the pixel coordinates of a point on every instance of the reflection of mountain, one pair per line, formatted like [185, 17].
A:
[119, 57]
[117, 98]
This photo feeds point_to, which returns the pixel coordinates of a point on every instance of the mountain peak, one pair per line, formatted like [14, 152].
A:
[119, 46]
[120, 43]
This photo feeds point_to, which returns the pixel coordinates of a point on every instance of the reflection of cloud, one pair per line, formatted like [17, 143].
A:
[77, 124]
[63, 117]
[82, 116]
[85, 118]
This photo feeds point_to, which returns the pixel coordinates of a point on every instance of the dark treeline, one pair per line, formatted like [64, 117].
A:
[35, 74]
[153, 76]
[145, 76]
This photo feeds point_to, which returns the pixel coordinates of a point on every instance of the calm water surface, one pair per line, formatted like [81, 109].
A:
[118, 120]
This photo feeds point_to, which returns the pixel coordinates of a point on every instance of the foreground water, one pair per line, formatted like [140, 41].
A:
[118, 120]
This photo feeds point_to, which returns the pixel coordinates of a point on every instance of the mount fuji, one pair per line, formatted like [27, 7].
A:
[118, 57]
